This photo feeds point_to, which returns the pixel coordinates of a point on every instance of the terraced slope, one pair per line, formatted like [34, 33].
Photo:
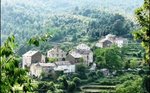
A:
[98, 88]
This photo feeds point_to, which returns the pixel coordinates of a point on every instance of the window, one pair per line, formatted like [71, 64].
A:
[57, 55]
[52, 55]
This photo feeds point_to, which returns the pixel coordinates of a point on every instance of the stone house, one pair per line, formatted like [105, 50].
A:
[37, 69]
[74, 57]
[104, 43]
[57, 53]
[31, 57]
[83, 46]
[86, 53]
[110, 39]
[81, 51]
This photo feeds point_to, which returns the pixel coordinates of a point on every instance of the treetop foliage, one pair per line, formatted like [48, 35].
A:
[11, 73]
[143, 34]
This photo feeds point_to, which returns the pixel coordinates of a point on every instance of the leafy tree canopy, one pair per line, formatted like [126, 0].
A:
[11, 73]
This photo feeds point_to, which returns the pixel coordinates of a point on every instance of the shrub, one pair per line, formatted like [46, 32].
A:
[71, 86]
[77, 81]
[63, 80]
[130, 86]
[58, 91]
[99, 73]
[92, 75]
[74, 75]
[134, 63]
[43, 87]
[81, 69]
[85, 81]
[51, 60]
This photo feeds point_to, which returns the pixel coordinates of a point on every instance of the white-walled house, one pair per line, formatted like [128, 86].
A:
[64, 66]
[121, 41]
[105, 71]
[31, 57]
[56, 52]
[110, 40]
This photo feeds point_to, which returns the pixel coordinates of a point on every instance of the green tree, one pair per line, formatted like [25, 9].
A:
[134, 63]
[71, 86]
[143, 34]
[130, 86]
[99, 73]
[11, 73]
[63, 80]
[74, 38]
[109, 58]
[92, 75]
[77, 81]
[81, 69]
[44, 87]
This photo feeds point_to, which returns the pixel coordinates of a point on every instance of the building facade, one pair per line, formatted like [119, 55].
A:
[82, 51]
[110, 39]
[31, 57]
[37, 69]
[57, 53]
[64, 66]
[74, 57]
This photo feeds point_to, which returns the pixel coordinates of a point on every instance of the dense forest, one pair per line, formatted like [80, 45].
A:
[67, 20]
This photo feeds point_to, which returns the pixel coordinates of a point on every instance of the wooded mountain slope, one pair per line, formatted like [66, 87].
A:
[75, 20]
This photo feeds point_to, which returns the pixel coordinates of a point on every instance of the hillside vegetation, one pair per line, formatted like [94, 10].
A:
[42, 24]
[70, 21]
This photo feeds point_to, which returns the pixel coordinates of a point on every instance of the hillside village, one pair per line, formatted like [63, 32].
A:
[75, 46]
[57, 60]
